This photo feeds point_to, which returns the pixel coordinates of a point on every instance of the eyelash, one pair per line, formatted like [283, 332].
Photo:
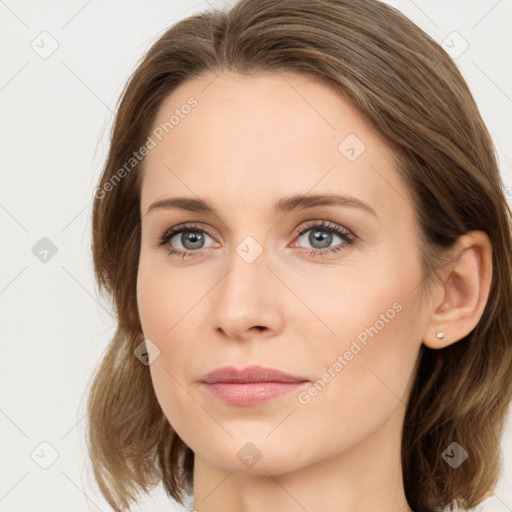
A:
[348, 237]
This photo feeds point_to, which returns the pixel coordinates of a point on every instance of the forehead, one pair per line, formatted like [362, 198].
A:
[251, 139]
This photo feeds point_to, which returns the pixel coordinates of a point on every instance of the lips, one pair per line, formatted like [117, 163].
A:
[254, 385]
[229, 374]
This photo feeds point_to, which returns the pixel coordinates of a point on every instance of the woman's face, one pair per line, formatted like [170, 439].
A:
[256, 284]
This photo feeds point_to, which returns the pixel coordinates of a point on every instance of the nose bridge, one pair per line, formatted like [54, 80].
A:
[243, 300]
[248, 269]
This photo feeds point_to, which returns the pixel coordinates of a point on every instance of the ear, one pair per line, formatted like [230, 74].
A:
[460, 300]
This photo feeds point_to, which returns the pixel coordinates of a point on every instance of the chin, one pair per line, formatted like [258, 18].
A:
[258, 457]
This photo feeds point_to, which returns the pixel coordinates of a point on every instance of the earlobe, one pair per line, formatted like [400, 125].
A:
[464, 292]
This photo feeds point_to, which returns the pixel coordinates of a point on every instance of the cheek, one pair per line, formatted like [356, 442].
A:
[363, 376]
[367, 367]
[162, 297]
[169, 307]
[162, 308]
[371, 319]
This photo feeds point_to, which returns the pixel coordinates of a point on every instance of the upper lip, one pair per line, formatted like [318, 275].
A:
[249, 374]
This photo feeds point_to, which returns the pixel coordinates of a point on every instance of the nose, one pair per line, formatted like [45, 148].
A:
[247, 301]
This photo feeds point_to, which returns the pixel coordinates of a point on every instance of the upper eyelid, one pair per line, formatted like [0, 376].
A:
[305, 225]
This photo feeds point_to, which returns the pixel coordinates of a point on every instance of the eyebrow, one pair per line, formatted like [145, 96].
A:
[283, 205]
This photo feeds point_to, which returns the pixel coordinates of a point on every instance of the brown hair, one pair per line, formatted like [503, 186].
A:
[408, 87]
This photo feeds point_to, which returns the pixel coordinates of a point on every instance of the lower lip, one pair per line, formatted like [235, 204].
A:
[251, 393]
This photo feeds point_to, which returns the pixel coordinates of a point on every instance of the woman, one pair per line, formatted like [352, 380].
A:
[302, 226]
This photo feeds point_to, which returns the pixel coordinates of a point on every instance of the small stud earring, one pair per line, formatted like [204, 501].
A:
[440, 335]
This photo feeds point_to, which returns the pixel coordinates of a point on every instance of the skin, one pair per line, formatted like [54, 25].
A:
[250, 141]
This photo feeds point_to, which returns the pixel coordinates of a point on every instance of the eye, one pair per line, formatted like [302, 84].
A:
[321, 236]
[190, 236]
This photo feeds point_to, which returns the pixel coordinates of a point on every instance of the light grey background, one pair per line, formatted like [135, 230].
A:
[55, 115]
